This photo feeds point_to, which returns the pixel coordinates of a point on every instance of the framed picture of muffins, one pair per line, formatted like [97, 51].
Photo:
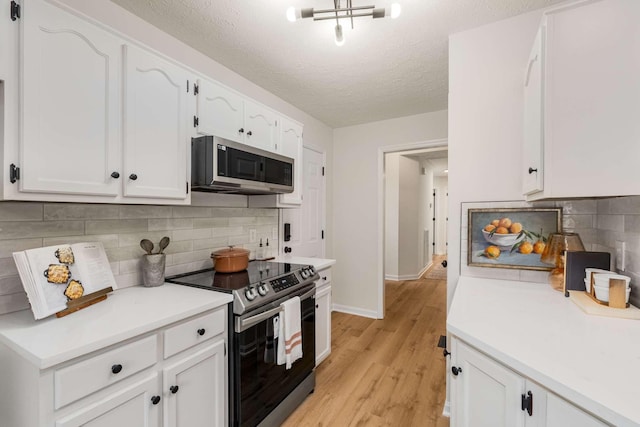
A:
[511, 238]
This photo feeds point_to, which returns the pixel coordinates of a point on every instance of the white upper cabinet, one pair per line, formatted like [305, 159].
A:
[291, 146]
[220, 111]
[532, 162]
[261, 126]
[155, 132]
[227, 114]
[590, 102]
[70, 104]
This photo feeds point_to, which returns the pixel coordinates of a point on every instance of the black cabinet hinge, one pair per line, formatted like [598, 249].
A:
[195, 89]
[15, 10]
[14, 173]
[527, 403]
[195, 121]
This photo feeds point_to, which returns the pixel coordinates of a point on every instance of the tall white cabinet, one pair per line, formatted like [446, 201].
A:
[582, 100]
[323, 315]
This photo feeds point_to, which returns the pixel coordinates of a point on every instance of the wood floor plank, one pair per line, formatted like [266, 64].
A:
[385, 372]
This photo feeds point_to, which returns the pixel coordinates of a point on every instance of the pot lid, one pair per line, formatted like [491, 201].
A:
[230, 252]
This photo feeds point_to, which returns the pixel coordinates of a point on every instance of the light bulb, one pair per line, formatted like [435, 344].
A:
[291, 14]
[396, 9]
[339, 35]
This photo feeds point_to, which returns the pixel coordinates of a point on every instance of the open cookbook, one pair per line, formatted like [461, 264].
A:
[56, 275]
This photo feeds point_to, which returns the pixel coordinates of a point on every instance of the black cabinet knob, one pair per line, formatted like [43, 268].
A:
[324, 277]
[174, 389]
[532, 170]
[115, 175]
[155, 400]
[317, 306]
[287, 250]
[133, 177]
[116, 368]
[241, 130]
[201, 332]
[249, 133]
[456, 370]
[445, 353]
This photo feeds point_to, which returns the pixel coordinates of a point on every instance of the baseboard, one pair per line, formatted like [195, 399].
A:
[424, 270]
[355, 311]
[401, 278]
[446, 411]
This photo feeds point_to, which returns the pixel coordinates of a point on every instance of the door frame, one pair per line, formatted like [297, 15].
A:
[434, 143]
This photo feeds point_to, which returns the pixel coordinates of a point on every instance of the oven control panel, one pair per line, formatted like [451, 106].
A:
[284, 282]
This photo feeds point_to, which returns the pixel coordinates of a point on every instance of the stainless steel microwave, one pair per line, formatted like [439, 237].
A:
[223, 166]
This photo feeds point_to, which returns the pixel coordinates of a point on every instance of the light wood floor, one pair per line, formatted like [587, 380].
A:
[384, 372]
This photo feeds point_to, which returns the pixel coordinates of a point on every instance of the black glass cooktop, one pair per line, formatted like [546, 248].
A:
[256, 272]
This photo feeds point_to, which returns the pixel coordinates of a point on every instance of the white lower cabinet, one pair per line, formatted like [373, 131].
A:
[194, 389]
[485, 393]
[323, 316]
[129, 407]
[132, 384]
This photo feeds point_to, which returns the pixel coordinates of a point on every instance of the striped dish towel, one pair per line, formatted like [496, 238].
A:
[290, 333]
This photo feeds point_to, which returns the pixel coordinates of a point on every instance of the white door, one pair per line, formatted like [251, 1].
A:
[70, 104]
[195, 389]
[138, 405]
[220, 111]
[156, 118]
[532, 160]
[306, 224]
[261, 126]
[484, 393]
[291, 146]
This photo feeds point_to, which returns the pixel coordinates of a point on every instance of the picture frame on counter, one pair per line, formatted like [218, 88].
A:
[510, 237]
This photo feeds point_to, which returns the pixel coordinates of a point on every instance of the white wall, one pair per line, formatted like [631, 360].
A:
[357, 153]
[391, 214]
[440, 184]
[316, 133]
[486, 69]
[408, 222]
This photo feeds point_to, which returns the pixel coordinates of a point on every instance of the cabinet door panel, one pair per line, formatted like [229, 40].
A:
[220, 111]
[156, 116]
[199, 400]
[261, 126]
[532, 162]
[129, 407]
[323, 323]
[70, 103]
[484, 393]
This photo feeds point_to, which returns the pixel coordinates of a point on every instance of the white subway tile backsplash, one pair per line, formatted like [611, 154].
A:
[198, 233]
[8, 247]
[67, 211]
[116, 226]
[10, 285]
[11, 230]
[17, 211]
[157, 224]
[611, 222]
[107, 240]
[144, 211]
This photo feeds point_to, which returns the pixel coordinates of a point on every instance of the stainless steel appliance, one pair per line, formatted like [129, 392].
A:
[261, 392]
[223, 166]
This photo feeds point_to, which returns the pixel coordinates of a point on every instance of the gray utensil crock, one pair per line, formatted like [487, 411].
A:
[153, 269]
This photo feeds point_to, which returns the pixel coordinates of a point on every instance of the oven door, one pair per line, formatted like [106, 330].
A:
[258, 383]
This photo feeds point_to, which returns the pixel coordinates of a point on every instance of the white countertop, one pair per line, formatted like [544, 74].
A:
[592, 361]
[318, 263]
[124, 314]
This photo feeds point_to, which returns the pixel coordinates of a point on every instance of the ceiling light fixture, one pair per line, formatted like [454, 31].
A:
[339, 13]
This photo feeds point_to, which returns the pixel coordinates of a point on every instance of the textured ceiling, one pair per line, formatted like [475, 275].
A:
[387, 68]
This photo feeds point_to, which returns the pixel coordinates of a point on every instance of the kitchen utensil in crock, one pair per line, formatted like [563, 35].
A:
[230, 260]
[147, 245]
[164, 242]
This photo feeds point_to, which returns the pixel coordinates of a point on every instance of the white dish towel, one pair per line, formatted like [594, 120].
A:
[290, 333]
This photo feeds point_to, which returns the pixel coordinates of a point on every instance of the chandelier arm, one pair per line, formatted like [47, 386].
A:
[350, 5]
[359, 15]
[343, 9]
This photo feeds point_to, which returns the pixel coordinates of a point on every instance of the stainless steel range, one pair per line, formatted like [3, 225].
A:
[260, 391]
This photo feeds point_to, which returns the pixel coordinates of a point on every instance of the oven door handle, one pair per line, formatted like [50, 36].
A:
[244, 324]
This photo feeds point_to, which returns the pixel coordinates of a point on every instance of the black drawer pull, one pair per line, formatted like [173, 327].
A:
[155, 400]
[116, 368]
[532, 170]
[201, 331]
[456, 370]
[115, 175]
[174, 389]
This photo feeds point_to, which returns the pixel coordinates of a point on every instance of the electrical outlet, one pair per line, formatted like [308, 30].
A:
[253, 236]
[274, 233]
[620, 250]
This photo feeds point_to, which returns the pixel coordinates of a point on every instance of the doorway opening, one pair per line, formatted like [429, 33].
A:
[415, 211]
